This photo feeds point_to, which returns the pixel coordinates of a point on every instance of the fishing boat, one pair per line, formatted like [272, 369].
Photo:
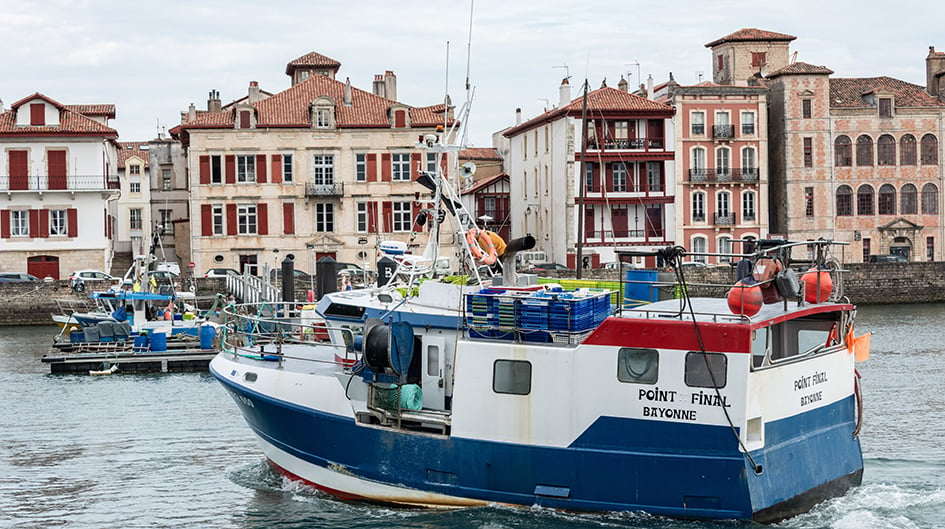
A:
[467, 390]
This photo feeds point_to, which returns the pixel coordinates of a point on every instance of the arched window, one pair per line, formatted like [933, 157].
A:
[886, 150]
[698, 206]
[886, 205]
[844, 201]
[698, 158]
[864, 200]
[843, 151]
[723, 164]
[929, 198]
[929, 150]
[908, 205]
[749, 164]
[725, 246]
[907, 150]
[864, 150]
[723, 207]
[748, 206]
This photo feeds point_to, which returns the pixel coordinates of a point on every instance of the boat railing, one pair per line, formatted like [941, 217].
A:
[265, 331]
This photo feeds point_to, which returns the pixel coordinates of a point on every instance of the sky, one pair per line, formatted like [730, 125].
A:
[152, 59]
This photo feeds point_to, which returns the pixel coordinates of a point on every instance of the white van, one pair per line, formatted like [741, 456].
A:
[525, 260]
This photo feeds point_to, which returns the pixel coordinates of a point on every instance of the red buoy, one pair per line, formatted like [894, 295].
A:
[817, 285]
[745, 299]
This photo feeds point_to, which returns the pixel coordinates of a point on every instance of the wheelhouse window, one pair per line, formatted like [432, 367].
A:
[706, 370]
[844, 201]
[513, 377]
[843, 151]
[638, 366]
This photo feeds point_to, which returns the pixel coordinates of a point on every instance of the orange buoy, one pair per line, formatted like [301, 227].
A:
[745, 299]
[817, 285]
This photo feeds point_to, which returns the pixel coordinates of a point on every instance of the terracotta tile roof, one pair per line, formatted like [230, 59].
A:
[70, 122]
[479, 153]
[290, 108]
[849, 92]
[604, 99]
[485, 182]
[105, 111]
[312, 60]
[801, 68]
[752, 34]
[127, 149]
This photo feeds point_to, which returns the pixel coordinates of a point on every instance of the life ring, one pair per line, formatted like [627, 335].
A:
[481, 246]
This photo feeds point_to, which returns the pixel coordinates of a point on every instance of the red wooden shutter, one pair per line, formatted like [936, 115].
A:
[385, 167]
[56, 169]
[231, 219]
[205, 170]
[19, 170]
[262, 219]
[400, 119]
[387, 212]
[261, 168]
[589, 223]
[371, 167]
[609, 176]
[444, 163]
[414, 165]
[288, 218]
[72, 223]
[244, 119]
[415, 212]
[34, 222]
[37, 114]
[206, 220]
[620, 222]
[276, 168]
[4, 223]
[43, 223]
[371, 217]
[230, 163]
[595, 170]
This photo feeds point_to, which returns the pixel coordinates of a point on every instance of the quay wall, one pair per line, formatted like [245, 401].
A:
[32, 303]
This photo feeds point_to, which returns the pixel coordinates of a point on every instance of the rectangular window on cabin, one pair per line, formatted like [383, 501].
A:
[706, 370]
[638, 366]
[513, 377]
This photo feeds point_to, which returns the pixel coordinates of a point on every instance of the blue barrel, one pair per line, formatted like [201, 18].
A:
[639, 289]
[207, 334]
[158, 342]
[141, 342]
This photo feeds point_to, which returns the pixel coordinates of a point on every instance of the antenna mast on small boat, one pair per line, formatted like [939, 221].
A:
[579, 259]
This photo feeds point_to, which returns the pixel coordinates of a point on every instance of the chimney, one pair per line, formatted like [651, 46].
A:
[935, 72]
[564, 93]
[518, 116]
[623, 86]
[191, 112]
[390, 85]
[253, 92]
[649, 87]
[213, 102]
[347, 92]
[378, 87]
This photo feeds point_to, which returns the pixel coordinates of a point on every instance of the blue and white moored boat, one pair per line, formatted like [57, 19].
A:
[438, 394]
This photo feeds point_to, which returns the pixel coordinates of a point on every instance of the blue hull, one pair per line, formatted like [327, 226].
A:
[673, 469]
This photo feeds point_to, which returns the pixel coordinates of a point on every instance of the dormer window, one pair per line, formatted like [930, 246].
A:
[323, 118]
[399, 116]
[323, 113]
[885, 107]
[245, 119]
[37, 114]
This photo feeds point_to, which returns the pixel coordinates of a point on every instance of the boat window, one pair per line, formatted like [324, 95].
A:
[706, 370]
[639, 366]
[512, 376]
[759, 346]
[799, 337]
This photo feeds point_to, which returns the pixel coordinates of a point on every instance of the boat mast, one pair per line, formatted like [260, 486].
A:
[579, 260]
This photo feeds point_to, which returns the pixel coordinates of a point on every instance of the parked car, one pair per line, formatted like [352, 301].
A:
[163, 274]
[300, 276]
[693, 264]
[888, 258]
[91, 275]
[549, 266]
[17, 276]
[221, 272]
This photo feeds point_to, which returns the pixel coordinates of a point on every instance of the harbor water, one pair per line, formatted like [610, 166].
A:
[171, 450]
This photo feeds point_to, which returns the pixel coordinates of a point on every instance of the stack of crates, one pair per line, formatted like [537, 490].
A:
[490, 313]
[578, 311]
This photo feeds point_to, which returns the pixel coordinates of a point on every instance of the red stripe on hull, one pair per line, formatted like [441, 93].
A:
[638, 332]
[336, 493]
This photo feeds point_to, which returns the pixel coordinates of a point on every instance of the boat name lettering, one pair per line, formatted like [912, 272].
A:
[657, 394]
[702, 398]
[246, 401]
[812, 398]
[805, 382]
[669, 413]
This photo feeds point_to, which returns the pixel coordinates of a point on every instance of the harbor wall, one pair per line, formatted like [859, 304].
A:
[32, 303]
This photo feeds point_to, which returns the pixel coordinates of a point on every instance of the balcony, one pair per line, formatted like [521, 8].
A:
[723, 175]
[727, 219]
[723, 132]
[57, 183]
[324, 190]
[638, 144]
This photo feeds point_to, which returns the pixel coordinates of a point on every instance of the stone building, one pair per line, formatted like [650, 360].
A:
[60, 184]
[133, 215]
[319, 169]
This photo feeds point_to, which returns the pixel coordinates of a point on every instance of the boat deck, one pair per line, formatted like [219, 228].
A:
[171, 361]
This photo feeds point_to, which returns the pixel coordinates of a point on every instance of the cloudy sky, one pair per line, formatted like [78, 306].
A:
[152, 59]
